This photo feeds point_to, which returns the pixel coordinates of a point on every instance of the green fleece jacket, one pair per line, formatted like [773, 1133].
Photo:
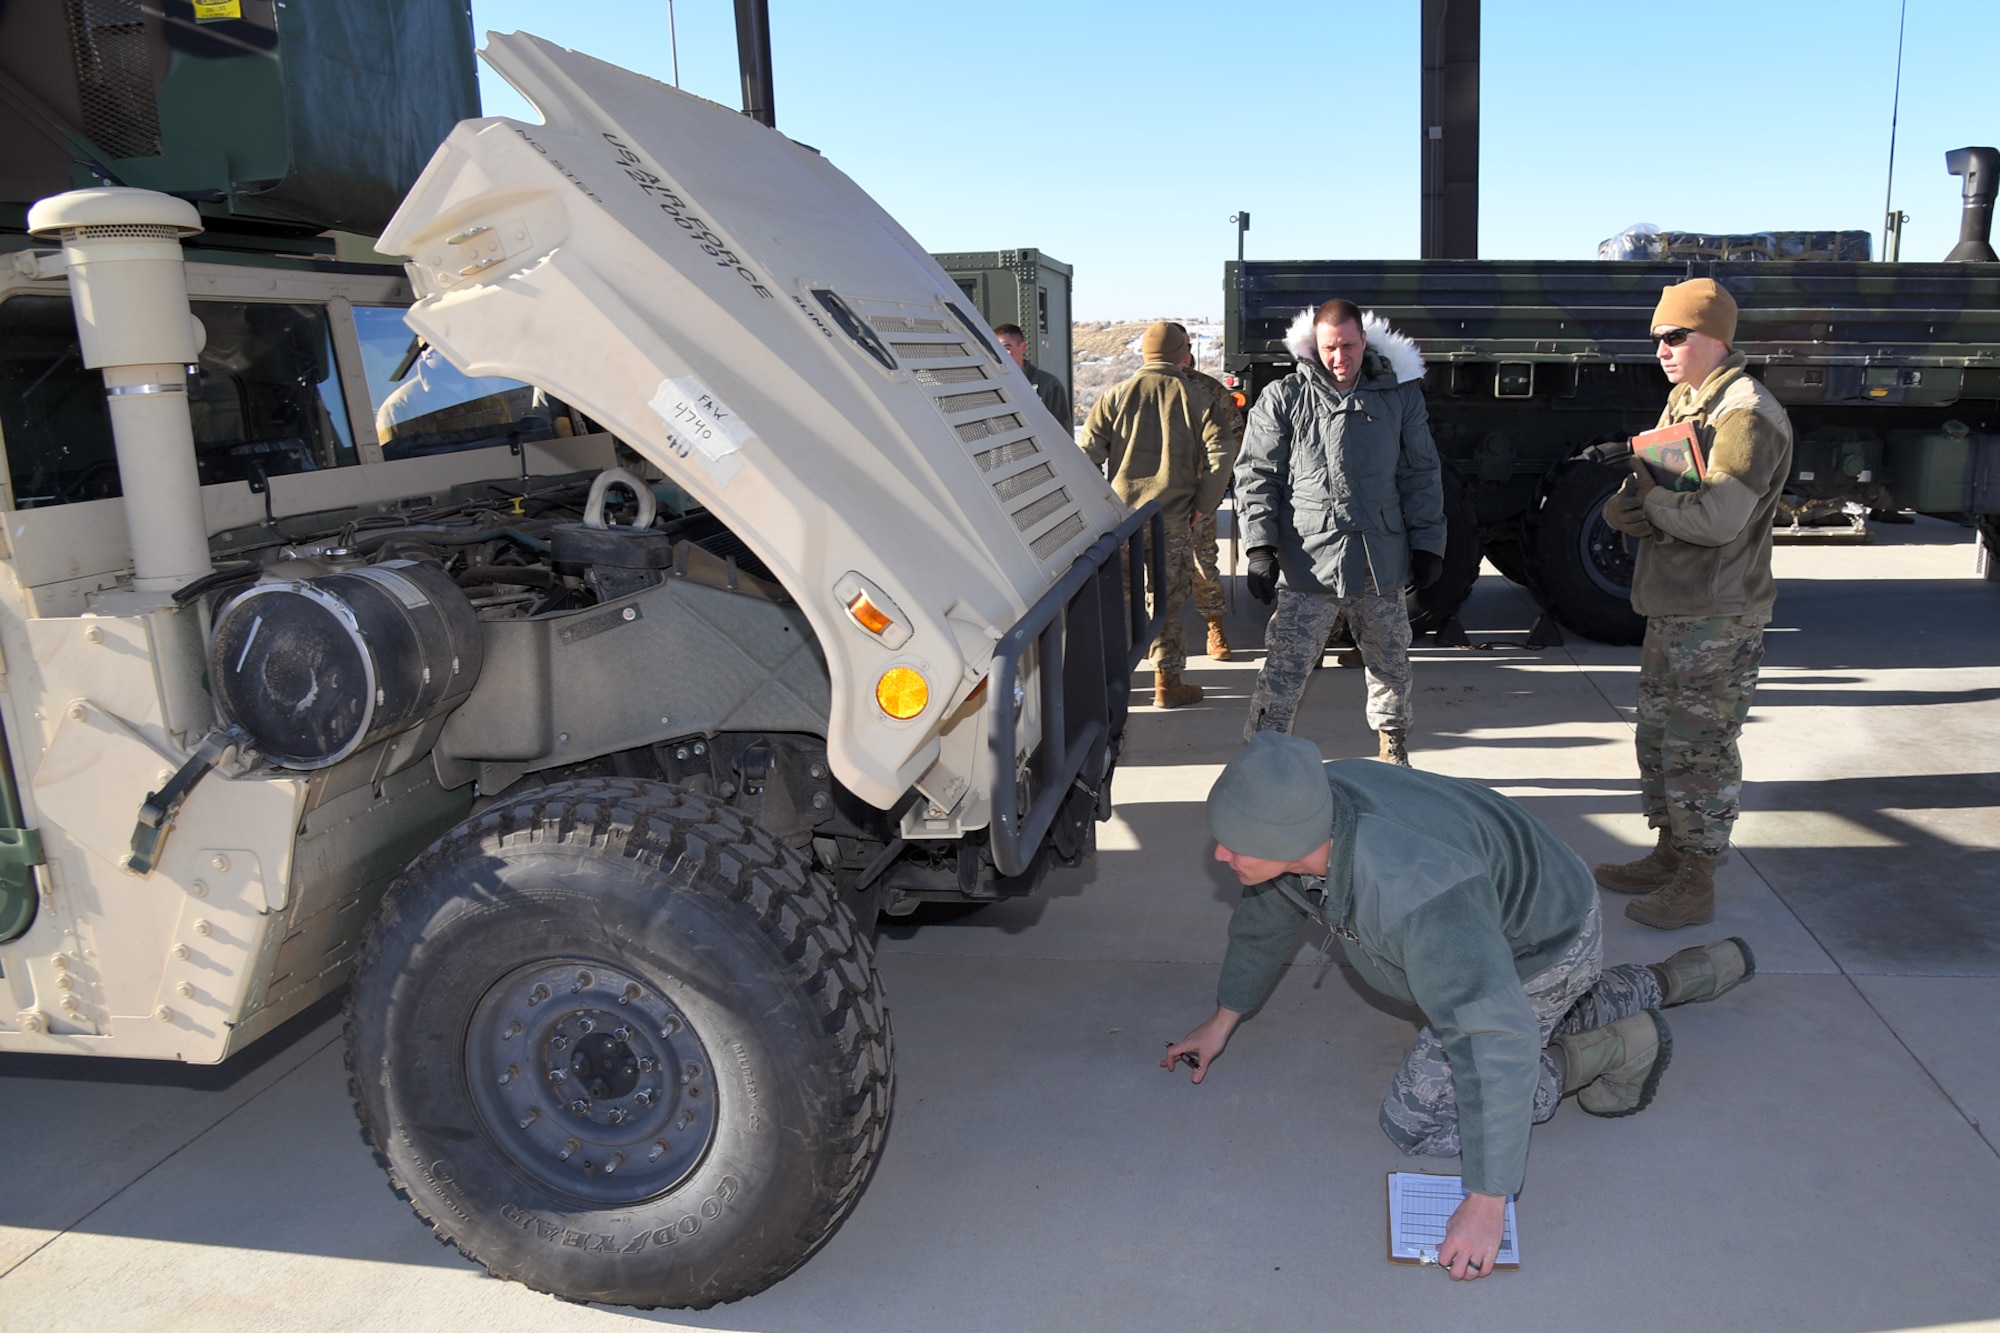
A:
[1446, 895]
[1052, 393]
[1710, 552]
[1159, 437]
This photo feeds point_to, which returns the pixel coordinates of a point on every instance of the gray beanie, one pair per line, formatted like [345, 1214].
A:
[1272, 801]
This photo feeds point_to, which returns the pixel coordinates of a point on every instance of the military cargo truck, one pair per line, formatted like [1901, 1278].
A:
[1890, 372]
[576, 637]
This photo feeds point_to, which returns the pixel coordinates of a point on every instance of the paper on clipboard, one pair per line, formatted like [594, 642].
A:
[1420, 1206]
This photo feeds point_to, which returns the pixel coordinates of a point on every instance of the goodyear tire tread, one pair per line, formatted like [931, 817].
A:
[683, 890]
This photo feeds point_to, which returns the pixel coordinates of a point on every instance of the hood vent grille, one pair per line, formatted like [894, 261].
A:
[949, 374]
[992, 460]
[945, 357]
[1057, 537]
[974, 431]
[1024, 481]
[1031, 514]
[954, 403]
[907, 324]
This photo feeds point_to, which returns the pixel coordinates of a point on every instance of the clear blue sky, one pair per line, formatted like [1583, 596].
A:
[1119, 137]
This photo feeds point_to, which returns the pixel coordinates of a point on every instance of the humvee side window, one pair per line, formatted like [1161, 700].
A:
[264, 400]
[423, 406]
[53, 419]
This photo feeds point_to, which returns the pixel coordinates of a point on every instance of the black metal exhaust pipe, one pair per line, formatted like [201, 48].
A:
[1981, 169]
[753, 55]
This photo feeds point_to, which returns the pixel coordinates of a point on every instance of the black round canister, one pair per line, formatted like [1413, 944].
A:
[315, 669]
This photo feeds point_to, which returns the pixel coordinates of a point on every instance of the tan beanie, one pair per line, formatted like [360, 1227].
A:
[1699, 304]
[1162, 342]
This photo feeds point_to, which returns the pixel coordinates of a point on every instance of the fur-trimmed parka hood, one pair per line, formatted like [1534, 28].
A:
[1396, 352]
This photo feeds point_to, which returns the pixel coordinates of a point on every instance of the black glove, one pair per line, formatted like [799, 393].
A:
[1426, 568]
[1262, 578]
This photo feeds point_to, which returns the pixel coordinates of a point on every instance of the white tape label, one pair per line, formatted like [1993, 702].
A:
[701, 426]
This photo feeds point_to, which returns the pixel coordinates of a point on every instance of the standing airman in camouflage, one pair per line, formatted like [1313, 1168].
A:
[1703, 582]
[1160, 437]
[1206, 572]
[1340, 504]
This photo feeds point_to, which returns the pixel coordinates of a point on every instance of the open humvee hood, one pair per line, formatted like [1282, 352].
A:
[732, 306]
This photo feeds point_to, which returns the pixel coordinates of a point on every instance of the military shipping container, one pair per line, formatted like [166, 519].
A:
[1023, 287]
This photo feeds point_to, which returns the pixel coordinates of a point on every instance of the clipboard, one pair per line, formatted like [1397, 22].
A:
[1419, 1206]
[1672, 456]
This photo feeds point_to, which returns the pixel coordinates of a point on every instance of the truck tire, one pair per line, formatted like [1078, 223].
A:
[1501, 545]
[1579, 566]
[619, 1045]
[1438, 603]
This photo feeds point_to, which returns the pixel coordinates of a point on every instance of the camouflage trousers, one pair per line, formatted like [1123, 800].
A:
[1696, 676]
[1169, 650]
[1576, 993]
[1207, 569]
[1295, 640]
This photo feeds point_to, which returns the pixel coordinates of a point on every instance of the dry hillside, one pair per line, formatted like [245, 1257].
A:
[1107, 352]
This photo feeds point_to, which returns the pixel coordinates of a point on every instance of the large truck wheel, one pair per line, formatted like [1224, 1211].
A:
[1579, 566]
[1501, 545]
[1438, 603]
[615, 1043]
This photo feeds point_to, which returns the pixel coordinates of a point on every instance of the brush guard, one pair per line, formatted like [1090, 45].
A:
[1091, 629]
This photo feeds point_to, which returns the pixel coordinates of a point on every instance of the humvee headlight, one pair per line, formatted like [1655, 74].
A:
[902, 692]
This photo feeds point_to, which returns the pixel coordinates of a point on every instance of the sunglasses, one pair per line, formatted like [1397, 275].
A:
[1673, 337]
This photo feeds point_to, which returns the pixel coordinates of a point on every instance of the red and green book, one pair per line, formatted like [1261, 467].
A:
[1672, 456]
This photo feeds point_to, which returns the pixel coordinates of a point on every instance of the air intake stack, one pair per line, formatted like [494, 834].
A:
[129, 288]
[1981, 169]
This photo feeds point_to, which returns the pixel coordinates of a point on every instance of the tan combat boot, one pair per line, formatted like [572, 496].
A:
[1705, 971]
[1393, 750]
[1615, 1070]
[1688, 899]
[1649, 872]
[1168, 692]
[1218, 642]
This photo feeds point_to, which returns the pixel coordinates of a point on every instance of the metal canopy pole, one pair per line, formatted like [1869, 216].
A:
[753, 55]
[1450, 214]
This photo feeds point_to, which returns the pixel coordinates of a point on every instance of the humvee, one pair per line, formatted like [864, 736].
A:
[576, 638]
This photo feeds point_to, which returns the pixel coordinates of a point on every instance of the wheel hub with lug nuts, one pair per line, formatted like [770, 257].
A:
[590, 1080]
[1607, 556]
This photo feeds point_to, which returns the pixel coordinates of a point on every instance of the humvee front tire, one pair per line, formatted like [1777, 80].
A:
[617, 1044]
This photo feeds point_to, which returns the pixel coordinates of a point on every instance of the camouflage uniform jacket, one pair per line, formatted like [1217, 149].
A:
[1232, 421]
[1342, 485]
[1052, 393]
[1446, 895]
[1160, 438]
[1718, 562]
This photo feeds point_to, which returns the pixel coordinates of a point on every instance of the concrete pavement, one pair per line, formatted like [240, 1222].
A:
[1817, 1157]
